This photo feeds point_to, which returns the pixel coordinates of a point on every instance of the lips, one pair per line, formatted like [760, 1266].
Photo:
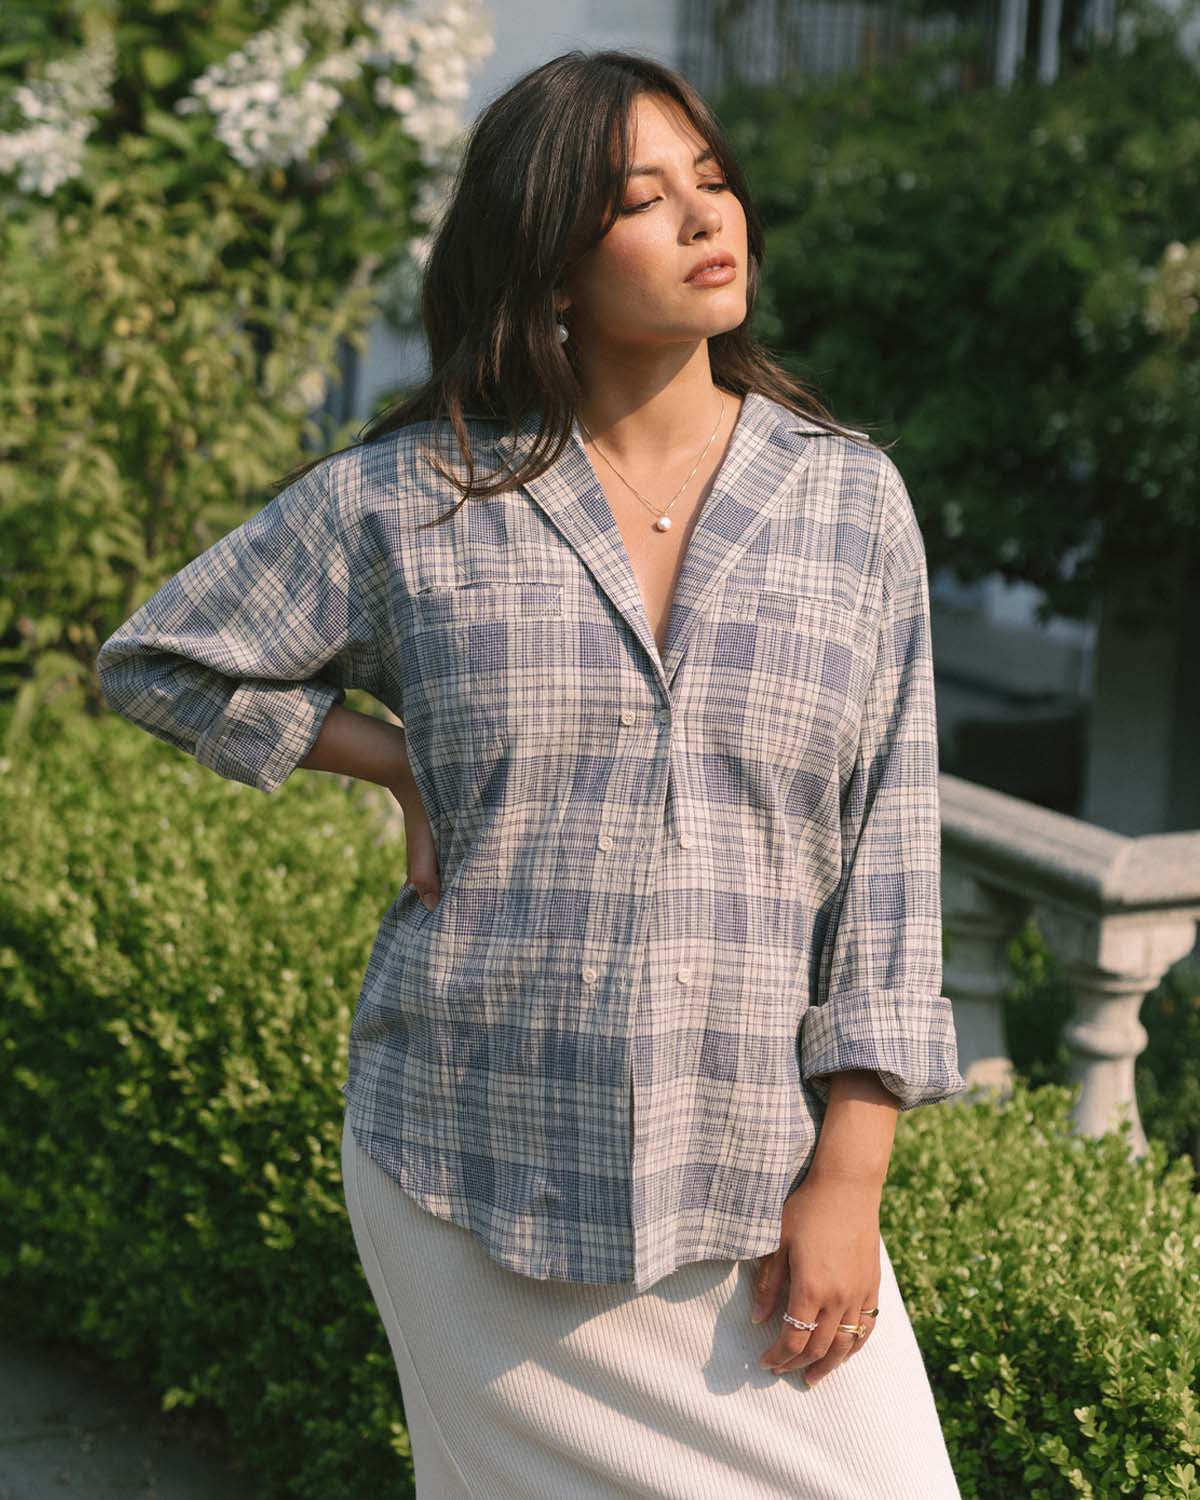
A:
[717, 258]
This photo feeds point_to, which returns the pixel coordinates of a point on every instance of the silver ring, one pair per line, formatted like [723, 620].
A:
[798, 1322]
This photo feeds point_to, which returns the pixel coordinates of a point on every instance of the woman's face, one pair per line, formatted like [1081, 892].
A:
[632, 288]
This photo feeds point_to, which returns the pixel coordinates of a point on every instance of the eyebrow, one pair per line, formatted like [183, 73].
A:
[642, 170]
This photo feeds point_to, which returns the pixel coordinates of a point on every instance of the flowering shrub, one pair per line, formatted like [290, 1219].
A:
[58, 111]
[272, 99]
[198, 205]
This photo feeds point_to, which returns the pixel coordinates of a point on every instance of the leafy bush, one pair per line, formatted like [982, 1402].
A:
[179, 958]
[1054, 1286]
[201, 208]
[139, 421]
[1168, 1071]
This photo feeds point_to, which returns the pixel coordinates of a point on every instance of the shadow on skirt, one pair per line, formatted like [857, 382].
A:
[520, 1389]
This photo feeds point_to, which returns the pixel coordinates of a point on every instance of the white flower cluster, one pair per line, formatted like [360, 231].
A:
[262, 118]
[267, 119]
[439, 44]
[273, 99]
[60, 110]
[307, 392]
[1173, 291]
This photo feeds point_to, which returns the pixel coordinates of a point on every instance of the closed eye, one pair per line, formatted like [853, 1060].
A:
[721, 187]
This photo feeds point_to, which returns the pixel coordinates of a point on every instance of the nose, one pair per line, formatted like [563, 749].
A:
[709, 214]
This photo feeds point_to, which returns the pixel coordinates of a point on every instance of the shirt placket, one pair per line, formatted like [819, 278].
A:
[653, 837]
[647, 848]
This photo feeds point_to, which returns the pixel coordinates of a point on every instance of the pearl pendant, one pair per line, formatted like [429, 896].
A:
[663, 523]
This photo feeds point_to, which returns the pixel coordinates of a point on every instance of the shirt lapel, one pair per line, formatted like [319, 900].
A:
[768, 450]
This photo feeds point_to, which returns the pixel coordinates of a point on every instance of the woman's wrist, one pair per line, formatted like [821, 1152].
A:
[857, 1131]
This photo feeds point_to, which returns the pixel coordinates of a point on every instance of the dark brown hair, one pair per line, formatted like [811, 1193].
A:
[541, 181]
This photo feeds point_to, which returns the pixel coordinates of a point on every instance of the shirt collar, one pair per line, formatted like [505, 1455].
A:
[767, 452]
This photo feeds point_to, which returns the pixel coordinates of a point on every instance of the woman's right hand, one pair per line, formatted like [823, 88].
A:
[423, 873]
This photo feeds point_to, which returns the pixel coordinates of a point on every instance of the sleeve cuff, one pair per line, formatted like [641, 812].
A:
[906, 1036]
[266, 730]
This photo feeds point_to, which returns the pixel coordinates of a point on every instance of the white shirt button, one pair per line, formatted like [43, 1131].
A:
[686, 840]
[589, 975]
[604, 842]
[628, 716]
[684, 976]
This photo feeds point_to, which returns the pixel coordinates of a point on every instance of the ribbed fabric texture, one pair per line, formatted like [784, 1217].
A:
[522, 1389]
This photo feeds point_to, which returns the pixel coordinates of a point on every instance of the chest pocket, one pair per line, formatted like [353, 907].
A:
[788, 673]
[484, 599]
[784, 609]
[470, 656]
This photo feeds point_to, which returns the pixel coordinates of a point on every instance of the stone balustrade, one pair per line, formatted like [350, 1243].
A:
[1116, 912]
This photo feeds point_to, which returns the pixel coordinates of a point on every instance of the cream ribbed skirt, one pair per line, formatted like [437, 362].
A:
[521, 1389]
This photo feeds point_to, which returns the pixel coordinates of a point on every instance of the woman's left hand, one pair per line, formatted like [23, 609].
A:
[828, 1261]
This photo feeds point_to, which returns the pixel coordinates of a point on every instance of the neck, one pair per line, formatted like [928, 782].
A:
[641, 422]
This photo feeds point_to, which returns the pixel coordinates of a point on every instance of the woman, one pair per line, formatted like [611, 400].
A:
[633, 1037]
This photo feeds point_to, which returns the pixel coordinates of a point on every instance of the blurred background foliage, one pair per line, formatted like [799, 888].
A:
[1008, 281]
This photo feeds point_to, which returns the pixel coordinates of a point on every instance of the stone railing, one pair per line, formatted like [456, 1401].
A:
[1116, 912]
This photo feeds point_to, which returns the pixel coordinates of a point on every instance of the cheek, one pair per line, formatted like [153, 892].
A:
[630, 273]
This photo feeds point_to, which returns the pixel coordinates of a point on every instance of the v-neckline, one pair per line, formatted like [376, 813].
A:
[739, 427]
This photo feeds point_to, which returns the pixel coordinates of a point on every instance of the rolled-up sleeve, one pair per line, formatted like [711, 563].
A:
[238, 658]
[879, 1004]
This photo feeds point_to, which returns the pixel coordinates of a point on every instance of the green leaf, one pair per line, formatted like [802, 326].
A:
[160, 68]
[168, 128]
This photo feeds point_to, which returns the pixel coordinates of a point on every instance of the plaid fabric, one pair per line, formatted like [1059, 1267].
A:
[678, 892]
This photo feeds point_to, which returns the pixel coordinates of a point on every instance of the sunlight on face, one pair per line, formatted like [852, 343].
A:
[631, 288]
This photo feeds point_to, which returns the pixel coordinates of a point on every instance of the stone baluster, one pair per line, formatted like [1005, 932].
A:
[1112, 963]
[979, 921]
[1116, 912]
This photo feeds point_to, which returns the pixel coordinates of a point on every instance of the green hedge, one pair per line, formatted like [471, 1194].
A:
[180, 957]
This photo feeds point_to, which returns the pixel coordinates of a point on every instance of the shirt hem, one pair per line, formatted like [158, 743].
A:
[545, 1270]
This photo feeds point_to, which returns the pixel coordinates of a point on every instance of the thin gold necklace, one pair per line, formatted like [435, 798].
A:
[663, 523]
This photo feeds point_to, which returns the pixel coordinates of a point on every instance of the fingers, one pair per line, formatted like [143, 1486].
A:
[867, 1315]
[768, 1285]
[827, 1344]
[817, 1351]
[423, 871]
[796, 1347]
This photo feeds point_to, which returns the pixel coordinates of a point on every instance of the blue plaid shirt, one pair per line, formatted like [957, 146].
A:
[679, 891]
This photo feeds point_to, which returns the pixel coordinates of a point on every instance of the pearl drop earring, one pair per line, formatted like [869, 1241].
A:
[563, 332]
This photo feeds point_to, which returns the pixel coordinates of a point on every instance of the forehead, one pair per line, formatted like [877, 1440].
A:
[659, 130]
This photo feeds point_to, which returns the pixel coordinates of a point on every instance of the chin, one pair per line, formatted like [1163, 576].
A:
[732, 320]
